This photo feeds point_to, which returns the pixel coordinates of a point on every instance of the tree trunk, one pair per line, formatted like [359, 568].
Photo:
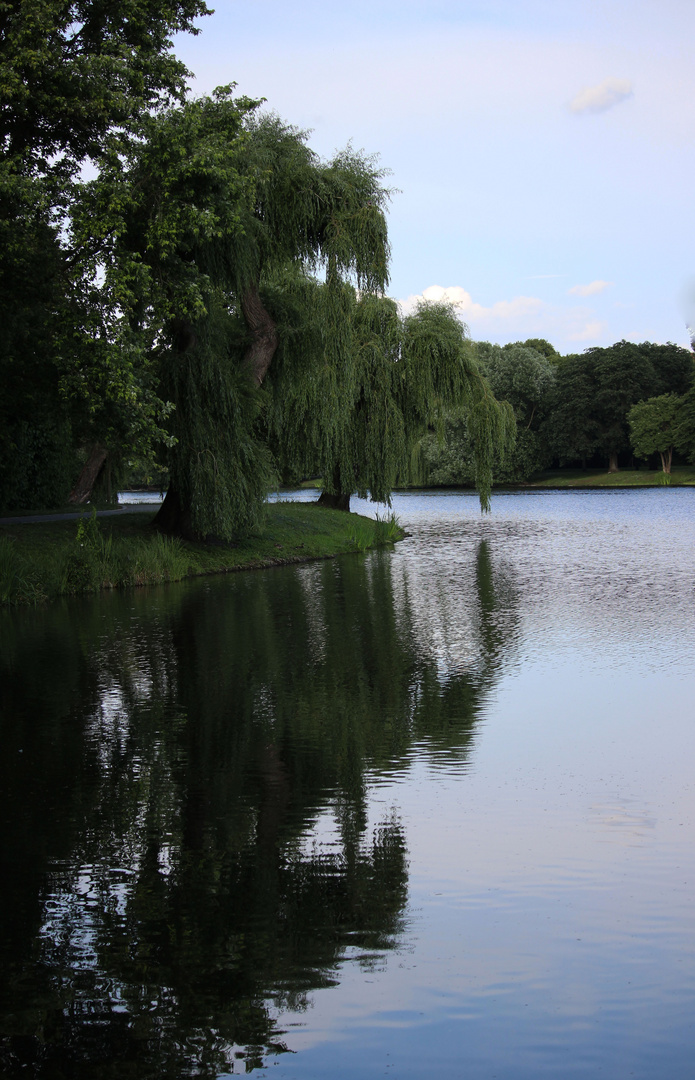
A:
[172, 518]
[88, 477]
[264, 337]
[613, 462]
[666, 459]
[338, 499]
[341, 501]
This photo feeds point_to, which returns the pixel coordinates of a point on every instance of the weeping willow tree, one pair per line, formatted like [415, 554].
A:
[258, 272]
[356, 386]
[219, 203]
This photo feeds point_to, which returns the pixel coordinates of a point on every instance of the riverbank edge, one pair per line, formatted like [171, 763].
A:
[43, 561]
[563, 479]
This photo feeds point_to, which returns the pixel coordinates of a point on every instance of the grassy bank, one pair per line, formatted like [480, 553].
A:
[682, 476]
[43, 560]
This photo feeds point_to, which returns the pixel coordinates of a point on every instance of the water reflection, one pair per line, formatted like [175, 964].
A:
[184, 824]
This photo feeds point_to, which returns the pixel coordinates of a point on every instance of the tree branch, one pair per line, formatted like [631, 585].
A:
[264, 337]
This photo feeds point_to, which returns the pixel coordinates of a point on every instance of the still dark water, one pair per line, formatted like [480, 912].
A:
[420, 812]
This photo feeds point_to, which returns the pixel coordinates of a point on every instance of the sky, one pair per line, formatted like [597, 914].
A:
[541, 152]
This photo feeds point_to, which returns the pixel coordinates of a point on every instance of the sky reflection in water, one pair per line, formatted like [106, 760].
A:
[428, 809]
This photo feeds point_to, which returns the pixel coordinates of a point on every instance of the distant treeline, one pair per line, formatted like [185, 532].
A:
[606, 407]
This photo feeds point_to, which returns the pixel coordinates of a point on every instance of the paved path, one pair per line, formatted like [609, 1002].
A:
[127, 508]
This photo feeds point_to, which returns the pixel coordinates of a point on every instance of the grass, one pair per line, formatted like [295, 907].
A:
[681, 476]
[43, 560]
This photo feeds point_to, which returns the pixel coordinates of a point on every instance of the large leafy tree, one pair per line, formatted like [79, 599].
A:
[392, 378]
[75, 72]
[224, 214]
[158, 310]
[654, 428]
[77, 81]
[522, 374]
[595, 391]
[256, 271]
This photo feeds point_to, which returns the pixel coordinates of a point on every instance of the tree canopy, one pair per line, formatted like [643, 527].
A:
[595, 390]
[521, 376]
[77, 82]
[392, 380]
[653, 427]
[233, 214]
[250, 273]
[216, 289]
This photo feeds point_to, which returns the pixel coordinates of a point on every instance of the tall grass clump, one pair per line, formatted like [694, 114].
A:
[96, 561]
[380, 532]
[84, 562]
[389, 530]
[148, 562]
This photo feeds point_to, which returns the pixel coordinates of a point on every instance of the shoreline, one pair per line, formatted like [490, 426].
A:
[41, 561]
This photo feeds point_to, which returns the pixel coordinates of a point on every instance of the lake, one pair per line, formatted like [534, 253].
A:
[428, 810]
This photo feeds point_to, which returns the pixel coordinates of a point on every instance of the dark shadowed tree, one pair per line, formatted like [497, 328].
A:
[77, 79]
[595, 391]
[685, 426]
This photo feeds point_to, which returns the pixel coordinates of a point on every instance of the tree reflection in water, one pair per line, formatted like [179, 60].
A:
[169, 758]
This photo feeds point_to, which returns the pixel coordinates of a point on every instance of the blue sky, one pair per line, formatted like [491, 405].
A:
[543, 152]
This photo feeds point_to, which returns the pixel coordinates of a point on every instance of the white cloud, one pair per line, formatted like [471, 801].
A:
[591, 331]
[597, 99]
[591, 289]
[517, 319]
[471, 311]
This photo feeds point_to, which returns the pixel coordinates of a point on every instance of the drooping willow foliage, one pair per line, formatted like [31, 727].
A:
[220, 470]
[356, 386]
[266, 268]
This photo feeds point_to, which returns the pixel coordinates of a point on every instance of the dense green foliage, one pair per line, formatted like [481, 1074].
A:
[595, 391]
[664, 424]
[685, 432]
[223, 219]
[570, 410]
[77, 82]
[210, 242]
[212, 301]
[391, 379]
[653, 427]
[520, 375]
[264, 216]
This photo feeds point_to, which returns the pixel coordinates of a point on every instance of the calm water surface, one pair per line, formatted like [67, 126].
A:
[428, 810]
